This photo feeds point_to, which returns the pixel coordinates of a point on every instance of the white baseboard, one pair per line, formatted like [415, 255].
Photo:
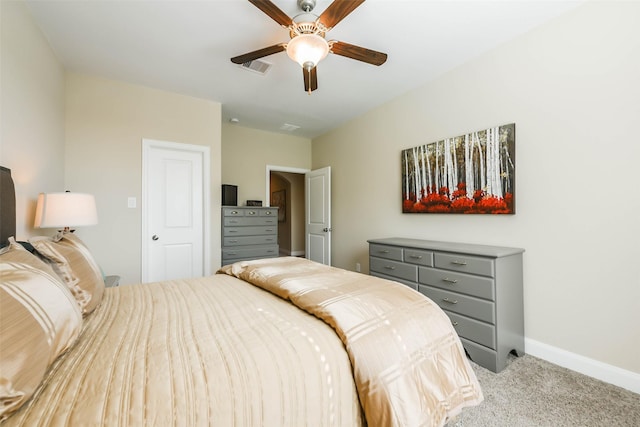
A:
[593, 368]
[297, 253]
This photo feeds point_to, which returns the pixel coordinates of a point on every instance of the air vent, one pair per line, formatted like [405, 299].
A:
[257, 66]
[288, 127]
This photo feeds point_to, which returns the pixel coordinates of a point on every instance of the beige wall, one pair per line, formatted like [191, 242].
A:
[572, 89]
[31, 114]
[106, 121]
[247, 152]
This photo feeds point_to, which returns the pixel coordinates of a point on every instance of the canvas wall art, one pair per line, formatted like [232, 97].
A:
[468, 174]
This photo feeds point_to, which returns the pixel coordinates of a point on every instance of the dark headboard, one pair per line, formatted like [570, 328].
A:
[7, 206]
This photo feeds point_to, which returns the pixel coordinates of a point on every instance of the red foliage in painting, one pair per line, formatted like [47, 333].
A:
[419, 208]
[441, 202]
[462, 204]
[407, 205]
[493, 205]
[460, 192]
[508, 199]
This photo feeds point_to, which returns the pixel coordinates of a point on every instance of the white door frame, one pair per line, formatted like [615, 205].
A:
[147, 145]
[272, 168]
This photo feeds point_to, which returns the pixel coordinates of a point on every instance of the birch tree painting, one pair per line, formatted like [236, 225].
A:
[473, 174]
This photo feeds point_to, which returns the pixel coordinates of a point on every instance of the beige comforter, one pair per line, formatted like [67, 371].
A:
[409, 366]
[218, 351]
[214, 351]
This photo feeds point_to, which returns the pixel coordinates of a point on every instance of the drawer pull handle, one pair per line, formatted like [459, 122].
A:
[269, 229]
[267, 213]
[233, 231]
[252, 212]
[452, 281]
[454, 323]
[233, 221]
[459, 262]
[389, 267]
[234, 212]
[447, 300]
[384, 252]
[268, 240]
[233, 241]
[416, 256]
[232, 253]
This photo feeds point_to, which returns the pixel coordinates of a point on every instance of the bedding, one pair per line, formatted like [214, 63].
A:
[275, 342]
[73, 262]
[39, 320]
[232, 349]
[214, 351]
[409, 366]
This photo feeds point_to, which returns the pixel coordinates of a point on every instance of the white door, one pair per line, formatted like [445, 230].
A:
[174, 211]
[318, 215]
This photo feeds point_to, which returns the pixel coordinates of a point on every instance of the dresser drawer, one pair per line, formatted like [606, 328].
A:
[388, 252]
[249, 231]
[394, 268]
[250, 240]
[232, 212]
[473, 330]
[415, 256]
[461, 304]
[465, 263]
[269, 212]
[482, 287]
[257, 252]
[244, 221]
[251, 212]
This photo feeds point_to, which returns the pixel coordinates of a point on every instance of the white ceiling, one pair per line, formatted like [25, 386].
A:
[185, 46]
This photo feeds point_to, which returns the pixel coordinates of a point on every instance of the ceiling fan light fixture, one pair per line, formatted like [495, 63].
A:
[307, 49]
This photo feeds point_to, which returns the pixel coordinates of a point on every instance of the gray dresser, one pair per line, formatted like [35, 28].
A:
[249, 233]
[479, 287]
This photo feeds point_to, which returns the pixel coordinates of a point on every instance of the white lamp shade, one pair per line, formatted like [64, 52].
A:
[65, 210]
[307, 48]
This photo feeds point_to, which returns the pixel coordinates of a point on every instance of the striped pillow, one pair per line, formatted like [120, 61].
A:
[39, 320]
[73, 262]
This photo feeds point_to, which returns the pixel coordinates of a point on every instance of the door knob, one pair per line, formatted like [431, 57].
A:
[155, 237]
[326, 230]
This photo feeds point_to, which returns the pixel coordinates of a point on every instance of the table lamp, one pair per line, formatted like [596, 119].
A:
[64, 210]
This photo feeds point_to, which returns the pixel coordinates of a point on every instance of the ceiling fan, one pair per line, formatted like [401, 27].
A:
[308, 45]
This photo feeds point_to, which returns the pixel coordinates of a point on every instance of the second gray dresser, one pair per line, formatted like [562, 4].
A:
[249, 233]
[479, 287]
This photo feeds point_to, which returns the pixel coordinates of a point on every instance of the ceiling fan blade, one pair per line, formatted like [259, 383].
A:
[241, 59]
[337, 11]
[310, 79]
[273, 11]
[359, 53]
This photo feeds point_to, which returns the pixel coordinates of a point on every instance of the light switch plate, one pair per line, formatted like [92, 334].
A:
[131, 202]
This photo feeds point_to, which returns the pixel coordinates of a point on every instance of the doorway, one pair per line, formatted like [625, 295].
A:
[287, 191]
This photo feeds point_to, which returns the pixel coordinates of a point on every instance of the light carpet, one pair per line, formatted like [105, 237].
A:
[531, 392]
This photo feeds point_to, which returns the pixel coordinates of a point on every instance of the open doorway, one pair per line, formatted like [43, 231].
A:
[286, 189]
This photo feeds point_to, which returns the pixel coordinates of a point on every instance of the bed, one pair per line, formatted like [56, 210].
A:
[273, 342]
